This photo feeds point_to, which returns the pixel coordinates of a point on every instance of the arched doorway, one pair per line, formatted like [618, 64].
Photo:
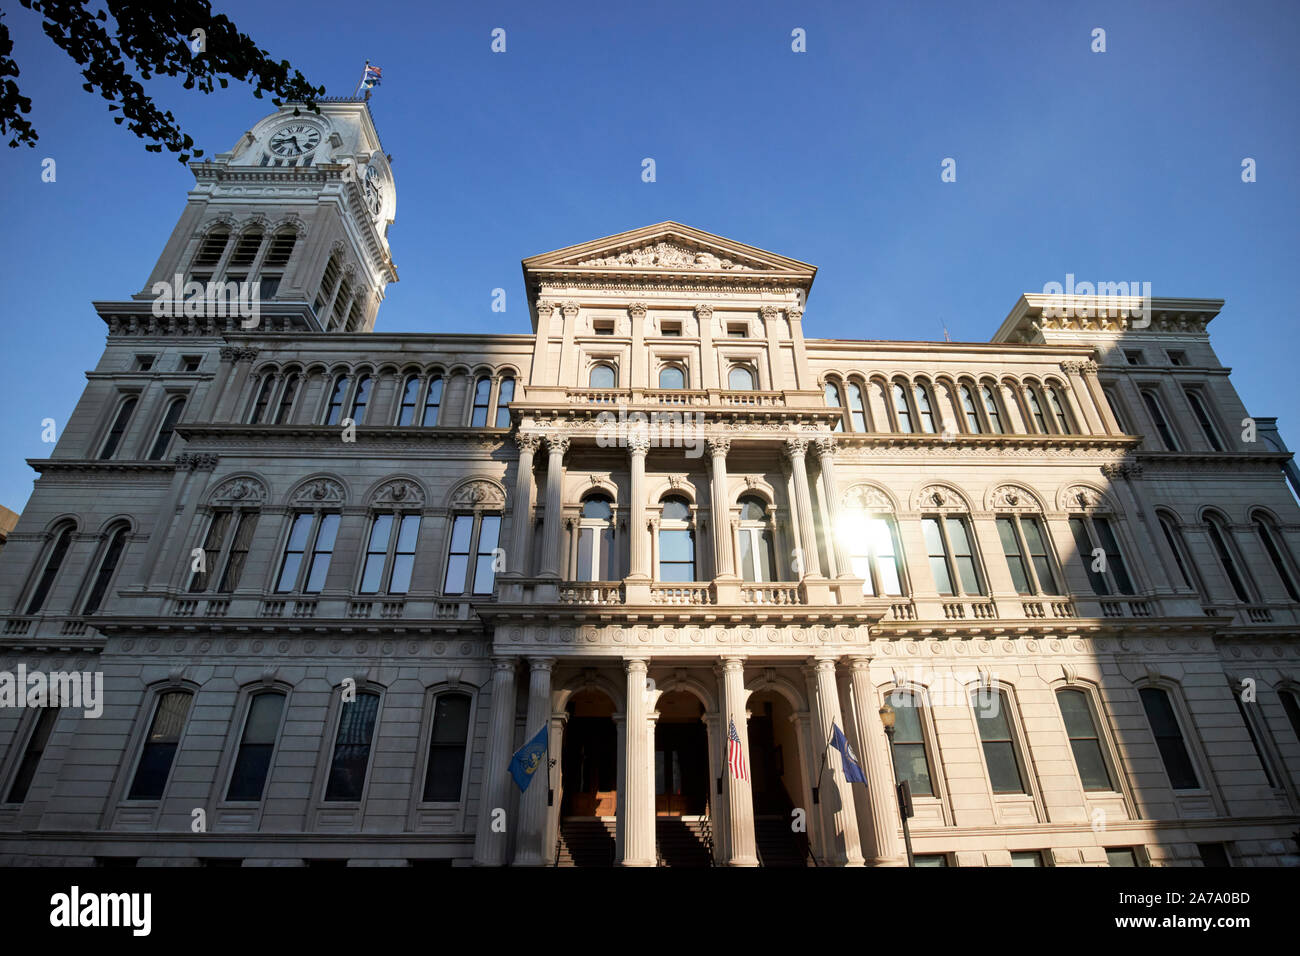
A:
[681, 756]
[589, 761]
[777, 777]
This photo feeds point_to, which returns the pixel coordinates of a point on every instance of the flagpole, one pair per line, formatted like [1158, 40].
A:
[362, 80]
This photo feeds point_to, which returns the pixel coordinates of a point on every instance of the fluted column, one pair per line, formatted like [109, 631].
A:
[521, 512]
[724, 563]
[881, 845]
[741, 847]
[841, 846]
[556, 446]
[490, 843]
[638, 444]
[796, 450]
[637, 796]
[826, 448]
[532, 805]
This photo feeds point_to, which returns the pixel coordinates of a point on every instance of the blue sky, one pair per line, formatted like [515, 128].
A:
[1123, 165]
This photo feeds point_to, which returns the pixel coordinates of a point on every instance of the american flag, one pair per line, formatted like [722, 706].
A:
[372, 77]
[735, 756]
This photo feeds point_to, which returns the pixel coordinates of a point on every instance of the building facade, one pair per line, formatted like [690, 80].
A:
[334, 578]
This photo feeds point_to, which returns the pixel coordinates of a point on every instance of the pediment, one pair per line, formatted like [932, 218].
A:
[668, 248]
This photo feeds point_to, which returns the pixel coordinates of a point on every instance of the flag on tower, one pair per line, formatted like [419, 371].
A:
[852, 769]
[371, 77]
[735, 756]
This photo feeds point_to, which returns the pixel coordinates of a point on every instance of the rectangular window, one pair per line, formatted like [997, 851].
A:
[735, 331]
[938, 555]
[390, 554]
[225, 550]
[446, 770]
[1196, 400]
[1213, 854]
[1036, 539]
[1120, 856]
[143, 363]
[36, 743]
[347, 779]
[118, 428]
[1169, 738]
[1104, 567]
[603, 328]
[1084, 740]
[1114, 560]
[245, 525]
[1135, 357]
[310, 540]
[213, 545]
[253, 762]
[191, 363]
[910, 761]
[1177, 357]
[488, 534]
[1254, 739]
[474, 541]
[1158, 419]
[1027, 858]
[995, 736]
[677, 556]
[1015, 560]
[160, 746]
[930, 859]
[462, 530]
[1025, 547]
[670, 328]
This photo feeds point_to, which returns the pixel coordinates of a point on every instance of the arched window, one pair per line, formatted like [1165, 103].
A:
[351, 760]
[262, 399]
[1158, 419]
[118, 428]
[875, 552]
[37, 741]
[410, 395]
[225, 549]
[757, 550]
[672, 376]
[602, 376]
[53, 562]
[597, 560]
[1117, 410]
[276, 261]
[1085, 740]
[1196, 399]
[445, 774]
[1036, 410]
[334, 411]
[740, 379]
[676, 541]
[991, 409]
[505, 395]
[901, 409]
[911, 759]
[1169, 738]
[109, 558]
[857, 410]
[832, 394]
[997, 739]
[973, 424]
[1024, 543]
[432, 402]
[328, 286]
[924, 410]
[1182, 557]
[1056, 398]
[1276, 549]
[1098, 549]
[360, 400]
[482, 395]
[244, 254]
[1291, 704]
[1220, 538]
[160, 745]
[287, 396]
[211, 249]
[256, 746]
[166, 429]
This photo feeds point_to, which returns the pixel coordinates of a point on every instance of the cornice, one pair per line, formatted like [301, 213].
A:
[235, 435]
[56, 465]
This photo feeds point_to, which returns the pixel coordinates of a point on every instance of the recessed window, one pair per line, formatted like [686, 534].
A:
[191, 363]
[923, 408]
[118, 428]
[1099, 551]
[166, 429]
[356, 730]
[151, 773]
[1196, 399]
[911, 762]
[432, 402]
[1157, 412]
[446, 770]
[1120, 856]
[224, 551]
[1278, 553]
[334, 411]
[603, 326]
[361, 399]
[1135, 357]
[670, 376]
[287, 395]
[973, 424]
[53, 562]
[1177, 357]
[875, 554]
[410, 395]
[482, 397]
[602, 376]
[740, 379]
[1182, 558]
[256, 745]
[597, 560]
[1027, 858]
[1291, 706]
[1213, 854]
[676, 541]
[390, 554]
[1254, 737]
[991, 409]
[42, 727]
[1169, 738]
[143, 363]
[471, 557]
[670, 328]
[952, 555]
[1085, 741]
[930, 859]
[1000, 752]
[109, 558]
[1229, 560]
[757, 551]
[307, 553]
[902, 410]
[737, 330]
[1024, 543]
[505, 395]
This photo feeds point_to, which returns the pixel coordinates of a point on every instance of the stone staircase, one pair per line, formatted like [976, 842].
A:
[778, 845]
[683, 842]
[585, 842]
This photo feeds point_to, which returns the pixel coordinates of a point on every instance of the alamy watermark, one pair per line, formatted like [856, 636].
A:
[1123, 300]
[82, 690]
[211, 300]
[662, 429]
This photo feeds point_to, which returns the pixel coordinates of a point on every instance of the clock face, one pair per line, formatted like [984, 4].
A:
[295, 140]
[374, 190]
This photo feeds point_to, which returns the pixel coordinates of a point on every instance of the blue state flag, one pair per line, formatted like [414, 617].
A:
[852, 769]
[528, 759]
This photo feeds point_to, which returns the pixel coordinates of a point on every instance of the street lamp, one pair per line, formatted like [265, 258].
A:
[902, 791]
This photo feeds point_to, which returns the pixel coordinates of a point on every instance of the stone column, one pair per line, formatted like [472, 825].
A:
[231, 394]
[1148, 537]
[521, 513]
[723, 559]
[708, 357]
[533, 804]
[881, 844]
[556, 446]
[638, 444]
[490, 843]
[840, 846]
[803, 378]
[741, 847]
[637, 374]
[541, 344]
[795, 450]
[826, 448]
[1088, 407]
[217, 387]
[637, 797]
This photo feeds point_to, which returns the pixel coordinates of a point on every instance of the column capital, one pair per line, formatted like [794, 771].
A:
[822, 664]
[718, 447]
[1087, 367]
[825, 448]
[859, 662]
[528, 442]
[794, 313]
[768, 312]
[557, 444]
[544, 308]
[730, 664]
[795, 448]
[636, 310]
[703, 312]
[638, 442]
[633, 665]
[569, 308]
[504, 663]
[541, 663]
[1129, 470]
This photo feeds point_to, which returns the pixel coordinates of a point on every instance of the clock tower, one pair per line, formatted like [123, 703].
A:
[300, 208]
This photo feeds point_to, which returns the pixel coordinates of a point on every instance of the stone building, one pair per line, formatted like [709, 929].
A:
[333, 578]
